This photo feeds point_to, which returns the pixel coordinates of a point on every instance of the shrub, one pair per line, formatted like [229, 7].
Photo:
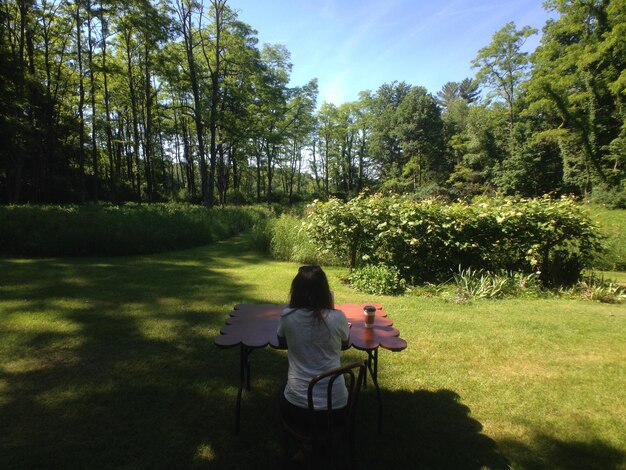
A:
[261, 234]
[429, 240]
[612, 198]
[377, 279]
[103, 230]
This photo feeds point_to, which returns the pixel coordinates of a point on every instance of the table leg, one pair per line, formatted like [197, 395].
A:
[372, 366]
[248, 362]
[244, 380]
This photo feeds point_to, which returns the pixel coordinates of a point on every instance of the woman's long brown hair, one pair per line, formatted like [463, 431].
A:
[310, 290]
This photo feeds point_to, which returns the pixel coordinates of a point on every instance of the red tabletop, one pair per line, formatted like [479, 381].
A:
[254, 326]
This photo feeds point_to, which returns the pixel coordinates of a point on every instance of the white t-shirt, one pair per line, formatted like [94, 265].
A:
[313, 347]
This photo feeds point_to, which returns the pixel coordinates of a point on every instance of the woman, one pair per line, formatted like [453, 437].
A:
[315, 333]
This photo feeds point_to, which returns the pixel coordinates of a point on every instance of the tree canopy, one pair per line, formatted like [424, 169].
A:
[148, 100]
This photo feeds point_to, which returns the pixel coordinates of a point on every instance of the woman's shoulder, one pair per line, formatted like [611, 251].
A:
[335, 313]
[287, 311]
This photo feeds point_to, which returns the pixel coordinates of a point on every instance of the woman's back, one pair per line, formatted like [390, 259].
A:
[314, 347]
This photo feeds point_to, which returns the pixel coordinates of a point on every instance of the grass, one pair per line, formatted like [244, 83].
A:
[612, 223]
[614, 276]
[110, 363]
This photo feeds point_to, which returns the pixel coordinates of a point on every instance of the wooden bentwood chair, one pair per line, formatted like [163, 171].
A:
[325, 434]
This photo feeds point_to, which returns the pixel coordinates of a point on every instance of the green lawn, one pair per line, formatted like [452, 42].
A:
[612, 224]
[110, 363]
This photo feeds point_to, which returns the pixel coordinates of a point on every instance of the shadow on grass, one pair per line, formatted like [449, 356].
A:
[110, 363]
[424, 430]
[434, 430]
[551, 453]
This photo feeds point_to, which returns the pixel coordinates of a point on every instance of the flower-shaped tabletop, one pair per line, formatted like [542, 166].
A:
[254, 326]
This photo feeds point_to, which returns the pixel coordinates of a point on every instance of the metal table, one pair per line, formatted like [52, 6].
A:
[253, 326]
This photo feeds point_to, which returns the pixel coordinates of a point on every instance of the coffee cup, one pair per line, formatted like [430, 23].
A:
[370, 315]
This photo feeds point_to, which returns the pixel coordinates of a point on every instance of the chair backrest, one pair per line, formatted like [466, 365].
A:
[354, 375]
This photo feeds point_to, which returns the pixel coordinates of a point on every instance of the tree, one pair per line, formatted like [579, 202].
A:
[385, 144]
[503, 66]
[448, 93]
[578, 85]
[185, 27]
[419, 128]
[479, 148]
[468, 90]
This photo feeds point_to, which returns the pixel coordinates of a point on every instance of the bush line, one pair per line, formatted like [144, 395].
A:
[428, 241]
[110, 230]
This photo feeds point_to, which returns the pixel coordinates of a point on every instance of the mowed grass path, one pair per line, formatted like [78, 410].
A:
[110, 363]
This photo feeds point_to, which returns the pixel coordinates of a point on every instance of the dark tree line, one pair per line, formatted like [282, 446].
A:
[104, 100]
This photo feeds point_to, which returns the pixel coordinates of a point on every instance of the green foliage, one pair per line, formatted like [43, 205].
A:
[535, 166]
[289, 242]
[612, 223]
[285, 238]
[481, 284]
[577, 89]
[428, 241]
[478, 144]
[419, 128]
[502, 65]
[378, 279]
[261, 234]
[612, 198]
[117, 230]
[594, 287]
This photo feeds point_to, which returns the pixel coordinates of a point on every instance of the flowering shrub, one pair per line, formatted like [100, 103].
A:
[428, 241]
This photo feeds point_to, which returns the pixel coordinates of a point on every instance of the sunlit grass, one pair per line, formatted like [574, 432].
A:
[616, 276]
[110, 362]
[612, 224]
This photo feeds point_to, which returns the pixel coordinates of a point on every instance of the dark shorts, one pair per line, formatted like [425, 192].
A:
[298, 417]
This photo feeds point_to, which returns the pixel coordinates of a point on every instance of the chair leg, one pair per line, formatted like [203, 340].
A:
[286, 450]
[351, 461]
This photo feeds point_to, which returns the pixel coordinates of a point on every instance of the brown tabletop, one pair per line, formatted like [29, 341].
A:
[253, 326]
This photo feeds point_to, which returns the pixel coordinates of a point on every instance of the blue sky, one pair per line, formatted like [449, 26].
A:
[352, 45]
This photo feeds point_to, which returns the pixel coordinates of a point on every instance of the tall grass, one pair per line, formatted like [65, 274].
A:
[612, 223]
[103, 230]
[286, 239]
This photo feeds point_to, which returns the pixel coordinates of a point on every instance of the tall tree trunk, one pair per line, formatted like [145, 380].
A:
[148, 138]
[134, 113]
[81, 103]
[107, 107]
[361, 162]
[215, 73]
[326, 168]
[187, 28]
[189, 166]
[258, 170]
[221, 174]
[92, 92]
[315, 171]
[235, 165]
[270, 169]
[179, 166]
[299, 189]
